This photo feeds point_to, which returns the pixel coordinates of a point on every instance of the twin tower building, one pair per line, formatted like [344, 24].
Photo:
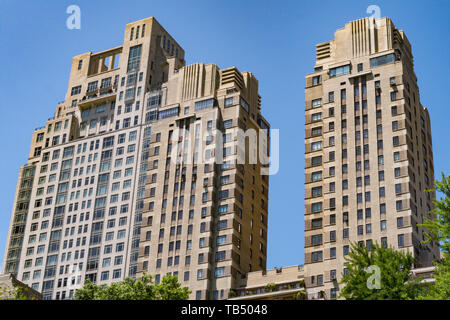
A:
[150, 165]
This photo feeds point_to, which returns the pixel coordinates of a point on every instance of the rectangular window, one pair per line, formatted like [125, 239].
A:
[316, 103]
[378, 61]
[204, 104]
[316, 117]
[75, 90]
[134, 58]
[316, 80]
[316, 207]
[338, 71]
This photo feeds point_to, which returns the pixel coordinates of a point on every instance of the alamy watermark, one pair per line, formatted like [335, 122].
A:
[376, 14]
[234, 146]
[74, 20]
[374, 280]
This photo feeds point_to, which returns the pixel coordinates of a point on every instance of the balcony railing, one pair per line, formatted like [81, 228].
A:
[270, 290]
[98, 97]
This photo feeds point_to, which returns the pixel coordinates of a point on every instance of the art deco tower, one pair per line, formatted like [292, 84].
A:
[368, 151]
[100, 199]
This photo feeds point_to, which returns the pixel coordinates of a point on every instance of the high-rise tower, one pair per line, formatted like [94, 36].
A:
[205, 213]
[98, 172]
[368, 151]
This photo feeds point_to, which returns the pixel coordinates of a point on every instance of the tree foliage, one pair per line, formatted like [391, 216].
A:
[439, 230]
[12, 293]
[439, 226]
[140, 289]
[394, 267]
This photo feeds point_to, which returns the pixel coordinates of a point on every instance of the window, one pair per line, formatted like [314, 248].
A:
[331, 156]
[204, 104]
[92, 86]
[332, 253]
[399, 222]
[316, 117]
[332, 236]
[394, 110]
[316, 146]
[168, 113]
[378, 61]
[316, 207]
[75, 90]
[316, 191]
[314, 131]
[316, 161]
[316, 176]
[393, 95]
[394, 125]
[331, 96]
[335, 72]
[229, 101]
[316, 80]
[316, 256]
[345, 233]
[401, 240]
[316, 239]
[316, 223]
[316, 103]
[134, 58]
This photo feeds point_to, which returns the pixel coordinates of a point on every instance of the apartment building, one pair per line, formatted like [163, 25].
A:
[206, 201]
[368, 151]
[89, 184]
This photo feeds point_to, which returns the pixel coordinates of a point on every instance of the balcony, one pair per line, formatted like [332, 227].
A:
[289, 291]
[97, 97]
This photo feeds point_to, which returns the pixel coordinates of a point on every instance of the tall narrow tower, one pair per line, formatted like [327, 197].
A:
[368, 151]
[205, 213]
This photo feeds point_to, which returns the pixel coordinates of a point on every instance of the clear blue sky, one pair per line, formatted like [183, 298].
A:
[275, 40]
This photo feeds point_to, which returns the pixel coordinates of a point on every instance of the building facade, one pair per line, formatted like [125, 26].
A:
[368, 151]
[286, 283]
[86, 197]
[205, 210]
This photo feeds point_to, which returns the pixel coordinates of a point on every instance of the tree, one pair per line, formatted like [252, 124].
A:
[170, 289]
[439, 226]
[12, 293]
[440, 288]
[140, 289]
[439, 230]
[301, 295]
[378, 274]
[270, 287]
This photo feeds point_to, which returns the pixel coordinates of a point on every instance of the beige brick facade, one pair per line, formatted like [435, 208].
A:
[368, 151]
[88, 183]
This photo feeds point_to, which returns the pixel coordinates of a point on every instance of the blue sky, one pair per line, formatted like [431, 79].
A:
[275, 40]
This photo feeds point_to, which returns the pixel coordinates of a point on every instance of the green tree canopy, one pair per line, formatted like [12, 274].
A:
[439, 226]
[12, 293]
[439, 230]
[394, 272]
[140, 289]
